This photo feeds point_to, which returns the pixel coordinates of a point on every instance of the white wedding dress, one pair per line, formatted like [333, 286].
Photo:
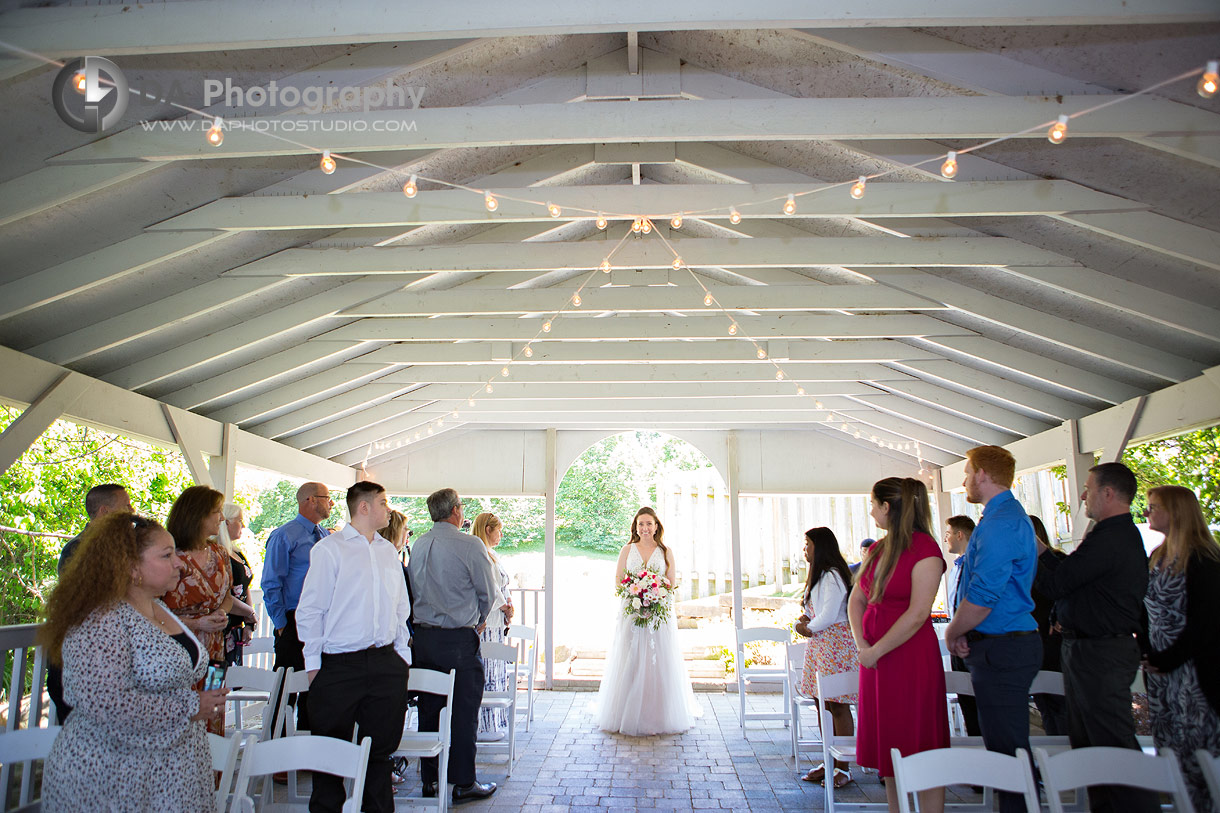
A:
[646, 689]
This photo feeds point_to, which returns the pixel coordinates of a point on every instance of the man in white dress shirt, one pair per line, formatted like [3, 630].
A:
[352, 619]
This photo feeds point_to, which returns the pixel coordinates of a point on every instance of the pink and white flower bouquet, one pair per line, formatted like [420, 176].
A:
[647, 598]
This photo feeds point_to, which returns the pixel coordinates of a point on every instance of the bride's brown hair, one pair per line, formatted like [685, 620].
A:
[659, 535]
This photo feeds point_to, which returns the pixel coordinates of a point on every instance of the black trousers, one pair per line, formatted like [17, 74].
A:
[1097, 676]
[290, 652]
[966, 702]
[442, 650]
[1001, 670]
[366, 688]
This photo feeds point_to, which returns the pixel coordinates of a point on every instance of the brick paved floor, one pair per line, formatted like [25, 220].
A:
[566, 763]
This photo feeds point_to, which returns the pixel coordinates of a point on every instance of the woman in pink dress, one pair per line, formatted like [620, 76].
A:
[902, 680]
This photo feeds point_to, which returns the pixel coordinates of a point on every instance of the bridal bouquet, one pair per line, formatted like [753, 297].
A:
[647, 598]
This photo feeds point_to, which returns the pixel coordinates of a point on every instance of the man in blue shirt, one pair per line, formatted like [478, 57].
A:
[284, 568]
[993, 628]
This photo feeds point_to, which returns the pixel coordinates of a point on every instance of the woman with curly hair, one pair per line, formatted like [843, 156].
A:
[135, 740]
[203, 596]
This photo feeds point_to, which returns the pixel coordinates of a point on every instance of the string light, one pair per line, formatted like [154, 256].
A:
[576, 300]
[637, 225]
[328, 164]
[732, 328]
[417, 435]
[489, 200]
[1058, 131]
[677, 263]
[800, 390]
[80, 82]
[453, 414]
[1209, 81]
[676, 221]
[440, 422]
[216, 133]
[489, 388]
[470, 401]
[647, 226]
[605, 266]
[762, 354]
[429, 429]
[529, 352]
[410, 188]
[546, 326]
[734, 216]
[790, 205]
[779, 375]
[817, 404]
[552, 209]
[949, 168]
[601, 221]
[707, 299]
[857, 189]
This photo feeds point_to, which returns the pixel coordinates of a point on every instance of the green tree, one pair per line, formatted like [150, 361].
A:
[278, 505]
[1189, 460]
[596, 499]
[44, 491]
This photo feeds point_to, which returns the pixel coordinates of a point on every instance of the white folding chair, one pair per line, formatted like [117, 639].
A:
[1210, 766]
[527, 652]
[775, 673]
[23, 747]
[249, 684]
[835, 747]
[421, 744]
[224, 760]
[1047, 683]
[303, 753]
[286, 725]
[1085, 767]
[963, 766]
[259, 653]
[798, 701]
[506, 700]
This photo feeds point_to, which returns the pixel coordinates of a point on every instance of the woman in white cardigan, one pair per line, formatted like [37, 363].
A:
[831, 648]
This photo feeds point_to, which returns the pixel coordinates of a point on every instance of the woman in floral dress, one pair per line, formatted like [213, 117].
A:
[493, 723]
[203, 597]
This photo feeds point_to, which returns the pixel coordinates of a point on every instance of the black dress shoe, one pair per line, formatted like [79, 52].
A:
[429, 790]
[473, 791]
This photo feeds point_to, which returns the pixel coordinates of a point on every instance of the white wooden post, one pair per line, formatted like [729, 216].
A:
[548, 557]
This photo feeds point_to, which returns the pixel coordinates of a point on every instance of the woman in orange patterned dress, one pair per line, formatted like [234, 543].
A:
[203, 597]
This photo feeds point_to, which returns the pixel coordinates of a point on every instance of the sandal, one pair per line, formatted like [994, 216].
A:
[842, 778]
[815, 774]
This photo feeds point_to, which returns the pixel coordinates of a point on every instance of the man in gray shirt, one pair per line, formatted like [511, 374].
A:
[453, 588]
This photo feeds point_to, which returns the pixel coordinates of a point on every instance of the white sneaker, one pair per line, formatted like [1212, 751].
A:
[490, 736]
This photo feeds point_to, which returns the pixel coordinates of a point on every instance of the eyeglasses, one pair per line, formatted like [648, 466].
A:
[323, 497]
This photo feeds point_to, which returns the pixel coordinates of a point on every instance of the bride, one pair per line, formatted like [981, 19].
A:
[645, 689]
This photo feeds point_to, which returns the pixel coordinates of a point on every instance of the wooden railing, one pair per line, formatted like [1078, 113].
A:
[24, 667]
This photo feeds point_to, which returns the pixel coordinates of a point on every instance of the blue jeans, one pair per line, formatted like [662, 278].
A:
[1002, 670]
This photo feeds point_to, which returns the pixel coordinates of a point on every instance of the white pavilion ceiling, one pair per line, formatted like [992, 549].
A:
[335, 315]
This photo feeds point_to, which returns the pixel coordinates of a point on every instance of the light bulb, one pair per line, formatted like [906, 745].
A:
[1209, 81]
[528, 351]
[417, 435]
[440, 422]
[800, 390]
[732, 328]
[576, 300]
[79, 82]
[676, 221]
[488, 388]
[605, 266]
[647, 226]
[601, 220]
[489, 200]
[328, 164]
[779, 375]
[734, 216]
[410, 188]
[546, 326]
[470, 401]
[453, 414]
[949, 168]
[552, 209]
[790, 205]
[216, 133]
[677, 263]
[857, 189]
[817, 404]
[762, 354]
[636, 225]
[856, 433]
[504, 372]
[707, 299]
[1058, 131]
[429, 429]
